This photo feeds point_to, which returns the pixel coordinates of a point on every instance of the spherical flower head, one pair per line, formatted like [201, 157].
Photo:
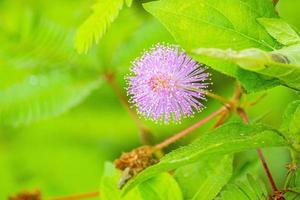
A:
[166, 84]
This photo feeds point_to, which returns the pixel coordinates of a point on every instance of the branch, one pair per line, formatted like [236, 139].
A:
[185, 132]
[219, 98]
[221, 120]
[245, 119]
[275, 2]
[146, 135]
[224, 111]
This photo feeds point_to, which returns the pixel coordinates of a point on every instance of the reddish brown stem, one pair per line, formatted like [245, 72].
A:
[245, 119]
[275, 2]
[185, 132]
[76, 197]
[146, 135]
[264, 163]
[220, 121]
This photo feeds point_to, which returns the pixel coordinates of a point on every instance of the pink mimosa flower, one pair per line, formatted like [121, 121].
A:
[166, 84]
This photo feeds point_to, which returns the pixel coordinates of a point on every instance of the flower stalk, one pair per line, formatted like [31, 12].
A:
[275, 2]
[145, 134]
[219, 98]
[224, 111]
[188, 130]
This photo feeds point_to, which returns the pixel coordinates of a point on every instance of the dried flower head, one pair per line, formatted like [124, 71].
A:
[36, 195]
[135, 161]
[166, 84]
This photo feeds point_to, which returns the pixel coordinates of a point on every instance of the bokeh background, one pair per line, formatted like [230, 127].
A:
[59, 118]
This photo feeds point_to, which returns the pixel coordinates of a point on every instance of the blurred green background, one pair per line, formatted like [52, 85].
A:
[60, 120]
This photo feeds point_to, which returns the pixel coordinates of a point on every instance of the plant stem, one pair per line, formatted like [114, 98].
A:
[219, 98]
[275, 2]
[76, 197]
[210, 94]
[188, 130]
[222, 118]
[224, 111]
[245, 119]
[146, 135]
[235, 100]
[268, 172]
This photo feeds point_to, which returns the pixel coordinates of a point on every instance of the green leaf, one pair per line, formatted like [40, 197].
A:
[280, 30]
[109, 185]
[291, 126]
[249, 189]
[149, 34]
[227, 139]
[233, 192]
[214, 24]
[292, 183]
[210, 174]
[94, 27]
[46, 46]
[42, 77]
[118, 35]
[128, 2]
[162, 186]
[246, 162]
[283, 64]
[43, 95]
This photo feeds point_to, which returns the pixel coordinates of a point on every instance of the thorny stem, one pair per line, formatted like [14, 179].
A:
[188, 130]
[146, 135]
[76, 197]
[245, 118]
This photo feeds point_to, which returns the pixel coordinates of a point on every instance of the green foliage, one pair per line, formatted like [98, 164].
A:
[280, 30]
[109, 183]
[210, 174]
[162, 187]
[118, 35]
[33, 99]
[283, 64]
[128, 2]
[47, 79]
[292, 184]
[245, 163]
[291, 126]
[227, 139]
[250, 189]
[94, 27]
[149, 34]
[210, 24]
[42, 75]
[288, 10]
